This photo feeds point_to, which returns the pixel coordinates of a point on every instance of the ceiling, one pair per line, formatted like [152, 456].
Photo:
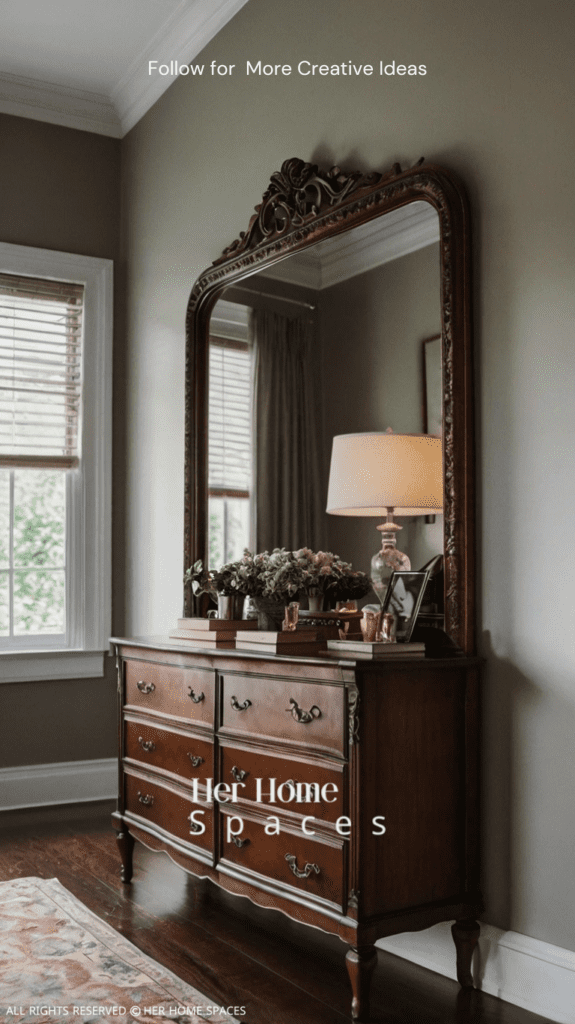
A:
[84, 63]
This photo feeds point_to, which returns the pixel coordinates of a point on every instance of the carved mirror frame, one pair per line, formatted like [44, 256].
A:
[303, 205]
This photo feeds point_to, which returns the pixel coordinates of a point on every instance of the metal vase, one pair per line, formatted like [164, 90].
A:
[230, 606]
[315, 601]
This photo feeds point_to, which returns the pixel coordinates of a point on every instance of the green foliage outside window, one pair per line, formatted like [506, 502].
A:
[32, 555]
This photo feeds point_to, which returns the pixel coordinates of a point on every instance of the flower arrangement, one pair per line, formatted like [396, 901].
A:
[326, 573]
[281, 576]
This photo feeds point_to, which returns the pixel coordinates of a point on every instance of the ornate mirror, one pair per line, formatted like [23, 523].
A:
[356, 289]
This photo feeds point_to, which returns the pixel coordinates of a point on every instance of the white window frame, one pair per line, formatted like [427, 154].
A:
[89, 488]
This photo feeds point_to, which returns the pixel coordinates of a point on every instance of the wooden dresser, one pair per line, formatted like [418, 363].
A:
[382, 756]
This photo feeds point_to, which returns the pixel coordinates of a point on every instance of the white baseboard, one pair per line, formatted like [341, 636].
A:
[526, 972]
[67, 782]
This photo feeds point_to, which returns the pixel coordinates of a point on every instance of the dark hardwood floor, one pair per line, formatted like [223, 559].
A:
[233, 952]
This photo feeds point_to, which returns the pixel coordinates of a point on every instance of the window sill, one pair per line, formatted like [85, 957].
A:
[36, 666]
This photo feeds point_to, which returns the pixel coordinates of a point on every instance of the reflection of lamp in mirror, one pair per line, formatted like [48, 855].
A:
[380, 474]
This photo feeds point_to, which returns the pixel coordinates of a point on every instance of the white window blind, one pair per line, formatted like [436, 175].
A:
[40, 372]
[230, 435]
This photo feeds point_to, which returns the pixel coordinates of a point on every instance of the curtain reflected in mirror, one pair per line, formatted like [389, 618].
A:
[264, 447]
[289, 503]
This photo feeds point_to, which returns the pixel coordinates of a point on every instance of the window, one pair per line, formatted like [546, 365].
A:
[40, 407]
[230, 450]
[55, 411]
[229, 434]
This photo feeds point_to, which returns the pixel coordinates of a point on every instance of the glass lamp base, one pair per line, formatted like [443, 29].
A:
[388, 560]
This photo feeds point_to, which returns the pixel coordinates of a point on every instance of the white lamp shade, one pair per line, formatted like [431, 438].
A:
[370, 473]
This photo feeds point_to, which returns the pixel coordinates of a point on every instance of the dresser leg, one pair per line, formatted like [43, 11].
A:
[360, 962]
[465, 936]
[126, 846]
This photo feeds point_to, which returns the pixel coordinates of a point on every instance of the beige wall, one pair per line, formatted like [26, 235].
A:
[495, 107]
[372, 330]
[60, 190]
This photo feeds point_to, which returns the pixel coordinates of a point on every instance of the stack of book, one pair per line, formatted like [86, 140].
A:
[212, 633]
[361, 649]
[299, 642]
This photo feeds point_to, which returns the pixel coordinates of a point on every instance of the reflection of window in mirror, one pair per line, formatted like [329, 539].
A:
[230, 441]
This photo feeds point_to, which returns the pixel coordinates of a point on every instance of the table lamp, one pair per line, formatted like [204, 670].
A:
[377, 474]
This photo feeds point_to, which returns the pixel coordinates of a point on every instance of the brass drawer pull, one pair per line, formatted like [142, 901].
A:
[238, 774]
[303, 716]
[146, 744]
[196, 759]
[240, 842]
[145, 687]
[198, 699]
[195, 827]
[240, 707]
[145, 799]
[292, 861]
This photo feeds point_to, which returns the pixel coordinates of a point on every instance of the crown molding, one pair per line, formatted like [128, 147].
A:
[181, 38]
[58, 104]
[407, 229]
[303, 269]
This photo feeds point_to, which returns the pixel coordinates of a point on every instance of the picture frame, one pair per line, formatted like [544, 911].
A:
[403, 598]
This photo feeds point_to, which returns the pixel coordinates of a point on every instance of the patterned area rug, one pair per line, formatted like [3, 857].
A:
[58, 961]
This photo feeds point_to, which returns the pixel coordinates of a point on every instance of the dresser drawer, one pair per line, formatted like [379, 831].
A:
[168, 690]
[168, 809]
[176, 752]
[247, 766]
[312, 867]
[308, 714]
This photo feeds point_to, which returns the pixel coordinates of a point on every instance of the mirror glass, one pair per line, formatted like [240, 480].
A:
[343, 337]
